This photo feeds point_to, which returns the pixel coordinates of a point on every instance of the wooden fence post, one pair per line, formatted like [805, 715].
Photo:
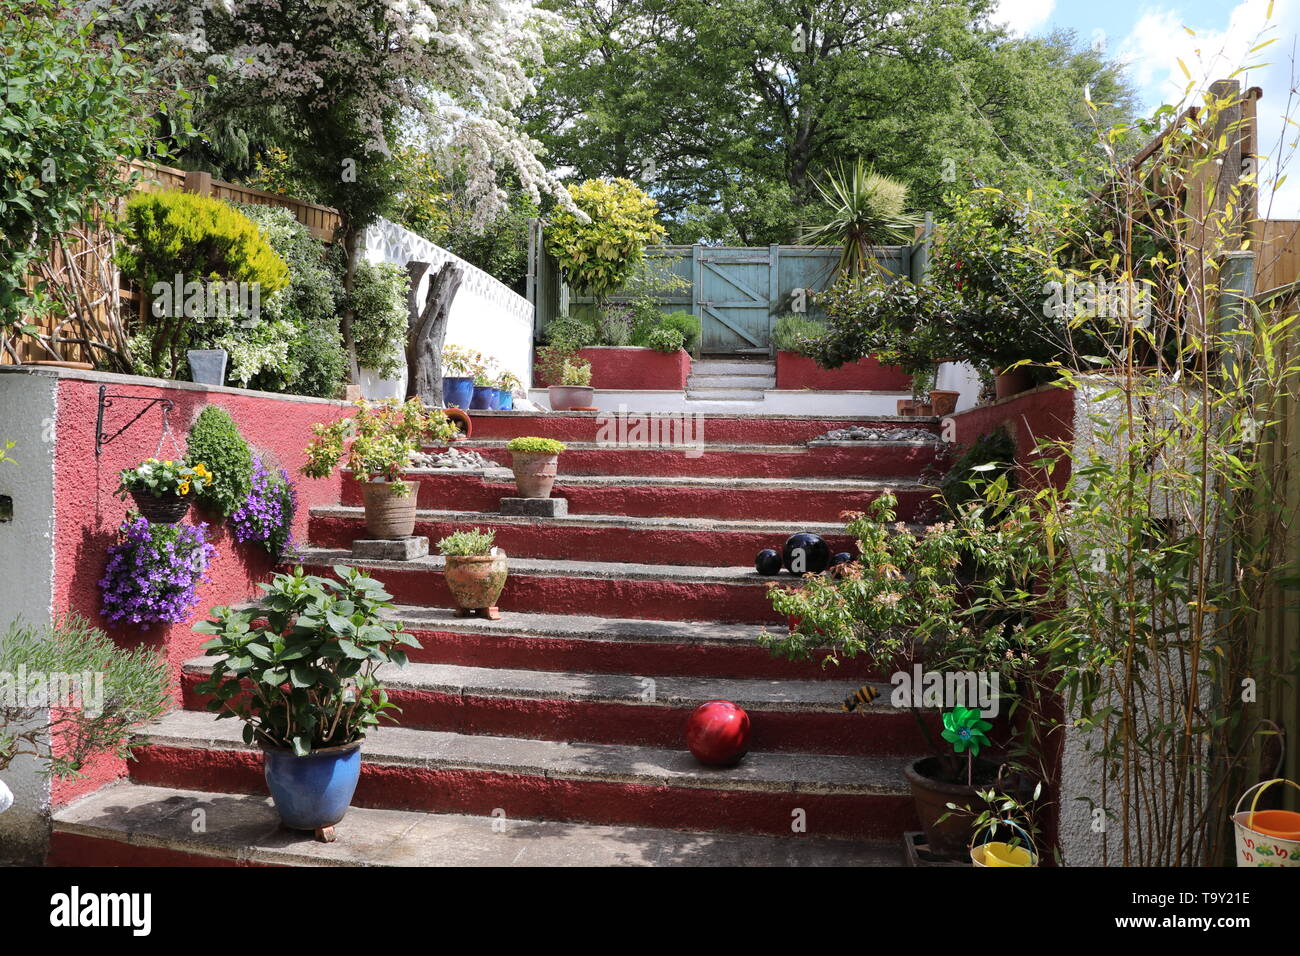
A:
[197, 181]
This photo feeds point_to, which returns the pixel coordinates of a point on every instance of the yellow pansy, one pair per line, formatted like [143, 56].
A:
[184, 487]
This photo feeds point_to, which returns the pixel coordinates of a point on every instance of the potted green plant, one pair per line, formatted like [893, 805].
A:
[534, 462]
[163, 490]
[458, 366]
[300, 672]
[378, 441]
[506, 384]
[574, 390]
[475, 571]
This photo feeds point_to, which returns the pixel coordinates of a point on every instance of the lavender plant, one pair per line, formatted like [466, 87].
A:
[266, 516]
[153, 571]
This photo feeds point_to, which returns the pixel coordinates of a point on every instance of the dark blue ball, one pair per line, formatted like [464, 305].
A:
[841, 557]
[805, 553]
[767, 561]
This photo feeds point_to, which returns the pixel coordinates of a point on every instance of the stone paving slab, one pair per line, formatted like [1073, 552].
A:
[653, 766]
[246, 828]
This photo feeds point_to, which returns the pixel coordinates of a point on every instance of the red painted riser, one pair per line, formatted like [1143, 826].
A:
[650, 599]
[861, 816]
[650, 501]
[863, 461]
[75, 849]
[701, 548]
[603, 722]
[757, 431]
[624, 657]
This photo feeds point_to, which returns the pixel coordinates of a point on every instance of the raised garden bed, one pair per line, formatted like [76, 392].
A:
[795, 371]
[632, 369]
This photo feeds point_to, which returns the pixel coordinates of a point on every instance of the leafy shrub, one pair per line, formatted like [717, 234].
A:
[266, 516]
[201, 239]
[306, 678]
[135, 691]
[794, 333]
[666, 340]
[597, 257]
[378, 440]
[562, 367]
[570, 333]
[468, 543]
[530, 445]
[576, 372]
[303, 316]
[215, 440]
[152, 572]
[988, 457]
[688, 325]
[379, 298]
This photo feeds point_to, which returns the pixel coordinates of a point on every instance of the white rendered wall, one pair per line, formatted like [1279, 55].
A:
[28, 409]
[486, 315]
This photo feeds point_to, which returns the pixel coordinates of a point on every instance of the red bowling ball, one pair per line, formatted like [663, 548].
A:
[718, 733]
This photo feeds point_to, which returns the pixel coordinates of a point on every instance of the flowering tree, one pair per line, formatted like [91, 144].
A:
[344, 82]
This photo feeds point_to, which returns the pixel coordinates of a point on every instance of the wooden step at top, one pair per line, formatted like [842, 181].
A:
[137, 819]
[790, 696]
[614, 763]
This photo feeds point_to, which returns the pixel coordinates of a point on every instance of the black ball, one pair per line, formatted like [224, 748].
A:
[841, 557]
[805, 553]
[767, 561]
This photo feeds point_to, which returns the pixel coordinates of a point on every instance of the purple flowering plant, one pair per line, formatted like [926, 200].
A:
[266, 516]
[153, 571]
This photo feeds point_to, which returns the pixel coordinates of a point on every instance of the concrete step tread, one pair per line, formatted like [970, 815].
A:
[803, 696]
[556, 568]
[703, 448]
[246, 828]
[723, 395]
[730, 381]
[626, 522]
[764, 416]
[615, 763]
[722, 482]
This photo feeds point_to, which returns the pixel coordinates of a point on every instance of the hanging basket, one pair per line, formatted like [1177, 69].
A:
[165, 509]
[999, 853]
[1266, 837]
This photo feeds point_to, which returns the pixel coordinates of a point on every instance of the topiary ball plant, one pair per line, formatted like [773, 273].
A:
[215, 441]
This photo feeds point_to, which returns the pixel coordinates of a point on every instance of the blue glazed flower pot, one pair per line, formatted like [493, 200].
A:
[458, 391]
[483, 395]
[507, 399]
[313, 791]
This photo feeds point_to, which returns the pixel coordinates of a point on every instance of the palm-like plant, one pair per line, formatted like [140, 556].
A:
[864, 209]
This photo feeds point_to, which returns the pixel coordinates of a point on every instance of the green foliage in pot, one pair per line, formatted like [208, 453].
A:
[467, 543]
[576, 372]
[598, 256]
[377, 440]
[108, 691]
[215, 441]
[379, 297]
[299, 670]
[529, 445]
[460, 362]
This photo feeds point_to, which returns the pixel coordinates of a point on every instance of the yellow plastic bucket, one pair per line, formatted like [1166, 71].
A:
[999, 853]
[1266, 837]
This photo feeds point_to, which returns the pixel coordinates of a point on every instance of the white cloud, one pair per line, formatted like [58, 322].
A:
[1158, 41]
[1023, 16]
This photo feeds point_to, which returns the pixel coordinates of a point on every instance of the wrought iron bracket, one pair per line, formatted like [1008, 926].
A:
[106, 401]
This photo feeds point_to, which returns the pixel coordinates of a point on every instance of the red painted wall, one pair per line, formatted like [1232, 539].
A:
[634, 369]
[795, 371]
[87, 513]
[1042, 414]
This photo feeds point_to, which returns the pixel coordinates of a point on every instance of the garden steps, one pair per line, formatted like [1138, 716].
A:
[130, 824]
[687, 541]
[843, 796]
[814, 499]
[788, 715]
[862, 459]
[773, 429]
[619, 589]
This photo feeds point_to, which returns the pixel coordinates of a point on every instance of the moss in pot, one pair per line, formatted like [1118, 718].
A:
[534, 462]
[300, 671]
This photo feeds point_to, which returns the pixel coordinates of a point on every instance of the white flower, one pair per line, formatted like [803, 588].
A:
[6, 797]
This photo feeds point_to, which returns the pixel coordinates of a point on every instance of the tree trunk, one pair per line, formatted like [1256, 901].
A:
[351, 247]
[427, 329]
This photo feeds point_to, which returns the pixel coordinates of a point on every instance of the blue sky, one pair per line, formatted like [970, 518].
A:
[1151, 36]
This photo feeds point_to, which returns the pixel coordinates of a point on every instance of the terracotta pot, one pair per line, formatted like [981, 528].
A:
[952, 837]
[920, 409]
[534, 473]
[565, 398]
[905, 406]
[1012, 383]
[944, 401]
[162, 509]
[475, 581]
[388, 514]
